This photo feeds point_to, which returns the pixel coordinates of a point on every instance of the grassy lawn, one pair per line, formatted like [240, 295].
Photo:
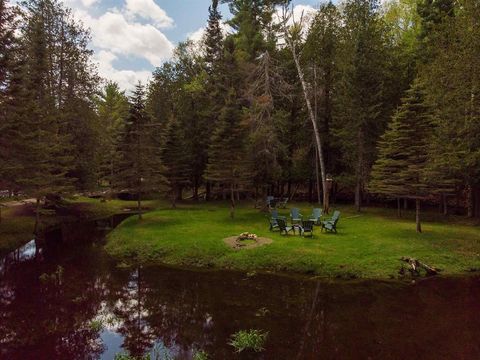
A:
[368, 245]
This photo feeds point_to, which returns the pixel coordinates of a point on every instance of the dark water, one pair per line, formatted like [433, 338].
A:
[54, 295]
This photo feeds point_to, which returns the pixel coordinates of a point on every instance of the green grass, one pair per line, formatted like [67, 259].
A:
[368, 245]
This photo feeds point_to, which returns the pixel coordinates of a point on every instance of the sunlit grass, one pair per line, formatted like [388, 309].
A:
[369, 244]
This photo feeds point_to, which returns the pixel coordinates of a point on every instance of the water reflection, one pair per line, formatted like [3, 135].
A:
[93, 310]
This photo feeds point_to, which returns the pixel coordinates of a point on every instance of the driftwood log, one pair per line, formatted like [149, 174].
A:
[416, 265]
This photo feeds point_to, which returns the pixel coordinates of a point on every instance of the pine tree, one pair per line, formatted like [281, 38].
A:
[403, 151]
[44, 153]
[112, 108]
[228, 163]
[213, 38]
[176, 159]
[9, 86]
[140, 169]
[363, 113]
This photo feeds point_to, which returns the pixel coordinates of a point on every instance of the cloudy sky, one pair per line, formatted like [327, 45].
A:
[132, 37]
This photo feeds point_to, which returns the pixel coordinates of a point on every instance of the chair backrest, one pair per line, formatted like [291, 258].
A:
[336, 215]
[295, 213]
[274, 214]
[282, 224]
[307, 225]
[317, 213]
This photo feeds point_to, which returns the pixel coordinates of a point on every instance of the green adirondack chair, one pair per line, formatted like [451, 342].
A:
[296, 216]
[316, 215]
[307, 228]
[284, 229]
[331, 224]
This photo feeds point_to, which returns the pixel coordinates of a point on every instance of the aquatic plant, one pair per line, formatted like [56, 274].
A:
[248, 340]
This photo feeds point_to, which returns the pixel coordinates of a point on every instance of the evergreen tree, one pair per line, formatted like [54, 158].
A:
[213, 38]
[403, 151]
[176, 160]
[140, 169]
[9, 87]
[362, 114]
[112, 108]
[44, 154]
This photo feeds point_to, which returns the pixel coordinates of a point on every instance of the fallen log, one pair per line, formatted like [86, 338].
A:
[416, 265]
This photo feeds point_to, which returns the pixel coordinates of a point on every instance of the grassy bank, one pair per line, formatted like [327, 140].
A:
[368, 245]
[18, 222]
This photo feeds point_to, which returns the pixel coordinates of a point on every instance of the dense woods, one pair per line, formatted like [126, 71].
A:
[385, 99]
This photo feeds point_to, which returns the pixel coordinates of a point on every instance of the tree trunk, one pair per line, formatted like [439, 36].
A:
[37, 217]
[359, 172]
[470, 201]
[417, 215]
[477, 201]
[445, 204]
[208, 191]
[310, 191]
[399, 208]
[173, 198]
[232, 201]
[139, 205]
[310, 111]
[405, 204]
[317, 174]
[195, 189]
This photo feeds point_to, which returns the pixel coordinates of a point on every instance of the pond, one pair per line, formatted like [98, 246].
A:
[64, 298]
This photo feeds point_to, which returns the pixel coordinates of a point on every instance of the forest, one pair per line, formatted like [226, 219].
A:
[361, 102]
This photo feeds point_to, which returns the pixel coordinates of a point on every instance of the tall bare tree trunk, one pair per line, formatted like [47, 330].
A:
[310, 113]
[399, 207]
[417, 215]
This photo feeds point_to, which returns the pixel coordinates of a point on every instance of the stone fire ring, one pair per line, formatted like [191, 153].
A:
[233, 242]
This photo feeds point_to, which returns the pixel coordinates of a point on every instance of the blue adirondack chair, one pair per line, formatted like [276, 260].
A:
[331, 224]
[284, 229]
[316, 215]
[296, 216]
[307, 228]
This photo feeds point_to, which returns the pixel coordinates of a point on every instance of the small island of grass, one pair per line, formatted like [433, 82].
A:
[369, 245]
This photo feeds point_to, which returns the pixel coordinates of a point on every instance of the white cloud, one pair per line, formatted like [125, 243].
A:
[126, 79]
[88, 3]
[148, 9]
[300, 12]
[114, 37]
[114, 32]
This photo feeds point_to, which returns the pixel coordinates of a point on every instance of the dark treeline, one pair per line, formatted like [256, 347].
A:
[384, 99]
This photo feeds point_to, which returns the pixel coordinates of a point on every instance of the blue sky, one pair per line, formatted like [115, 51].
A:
[132, 37]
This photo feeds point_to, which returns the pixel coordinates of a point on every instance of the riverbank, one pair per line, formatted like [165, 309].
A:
[18, 219]
[368, 245]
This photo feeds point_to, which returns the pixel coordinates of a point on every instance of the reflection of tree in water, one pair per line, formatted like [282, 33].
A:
[48, 318]
[188, 311]
[128, 307]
